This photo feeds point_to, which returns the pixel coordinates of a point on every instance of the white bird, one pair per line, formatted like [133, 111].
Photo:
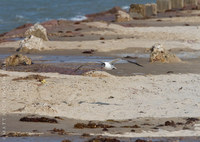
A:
[109, 65]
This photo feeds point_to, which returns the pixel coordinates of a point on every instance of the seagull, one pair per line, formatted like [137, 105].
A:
[109, 65]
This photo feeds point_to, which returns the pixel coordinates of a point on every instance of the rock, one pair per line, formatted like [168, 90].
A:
[159, 54]
[97, 74]
[122, 16]
[31, 43]
[136, 10]
[17, 59]
[142, 10]
[37, 30]
[163, 5]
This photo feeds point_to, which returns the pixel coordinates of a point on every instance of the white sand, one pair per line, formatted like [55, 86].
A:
[87, 98]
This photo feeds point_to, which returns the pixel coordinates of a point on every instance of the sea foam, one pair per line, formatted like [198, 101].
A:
[19, 17]
[125, 7]
[78, 18]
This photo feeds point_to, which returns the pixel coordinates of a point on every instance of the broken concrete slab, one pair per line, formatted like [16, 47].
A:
[136, 10]
[177, 4]
[163, 5]
[17, 59]
[160, 54]
[122, 16]
[142, 10]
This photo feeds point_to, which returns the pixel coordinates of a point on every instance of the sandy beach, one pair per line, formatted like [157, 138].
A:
[159, 92]
[101, 98]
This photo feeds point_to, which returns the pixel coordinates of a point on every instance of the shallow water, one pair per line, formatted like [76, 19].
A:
[81, 139]
[45, 59]
[17, 12]
[182, 55]
[66, 59]
[40, 139]
[77, 65]
[70, 59]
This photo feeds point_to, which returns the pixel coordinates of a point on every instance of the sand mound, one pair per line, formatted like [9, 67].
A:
[97, 74]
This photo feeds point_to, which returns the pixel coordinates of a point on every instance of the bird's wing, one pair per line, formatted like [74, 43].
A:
[114, 61]
[135, 63]
[78, 68]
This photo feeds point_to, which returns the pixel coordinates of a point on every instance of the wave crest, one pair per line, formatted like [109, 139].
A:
[78, 18]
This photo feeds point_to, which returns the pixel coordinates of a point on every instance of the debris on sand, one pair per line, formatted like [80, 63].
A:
[59, 131]
[31, 43]
[159, 54]
[17, 59]
[88, 51]
[91, 125]
[97, 74]
[38, 119]
[66, 141]
[20, 134]
[57, 117]
[140, 140]
[3, 75]
[170, 123]
[191, 120]
[38, 31]
[134, 126]
[32, 77]
[99, 139]
[85, 135]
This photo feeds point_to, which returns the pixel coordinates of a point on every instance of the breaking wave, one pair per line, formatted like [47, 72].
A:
[78, 18]
[125, 7]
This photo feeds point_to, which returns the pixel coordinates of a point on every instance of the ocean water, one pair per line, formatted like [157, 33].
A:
[14, 13]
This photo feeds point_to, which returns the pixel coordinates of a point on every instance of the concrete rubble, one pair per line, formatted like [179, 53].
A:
[122, 16]
[149, 10]
[37, 30]
[142, 10]
[17, 59]
[31, 43]
[160, 54]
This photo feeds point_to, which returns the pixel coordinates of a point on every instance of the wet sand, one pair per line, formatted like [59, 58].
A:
[68, 128]
[190, 64]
